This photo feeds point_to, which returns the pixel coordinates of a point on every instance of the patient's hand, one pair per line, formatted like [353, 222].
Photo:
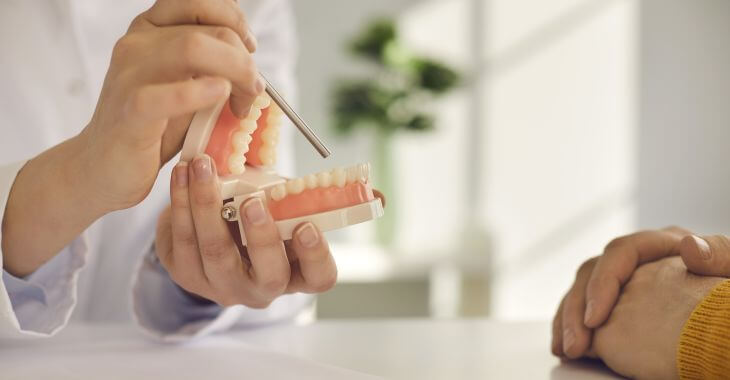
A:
[640, 338]
[599, 280]
[200, 254]
[598, 283]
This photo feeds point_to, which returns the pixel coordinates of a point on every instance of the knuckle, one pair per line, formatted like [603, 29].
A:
[185, 282]
[226, 34]
[186, 239]
[206, 198]
[123, 46]
[191, 47]
[587, 267]
[616, 243]
[273, 286]
[675, 229]
[180, 202]
[252, 74]
[227, 300]
[182, 97]
[248, 74]
[214, 250]
[259, 304]
[325, 284]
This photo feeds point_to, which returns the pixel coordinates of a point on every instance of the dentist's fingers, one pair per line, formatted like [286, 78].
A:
[576, 336]
[221, 260]
[163, 238]
[706, 255]
[240, 102]
[620, 259]
[196, 53]
[184, 266]
[203, 12]
[314, 269]
[270, 270]
[155, 102]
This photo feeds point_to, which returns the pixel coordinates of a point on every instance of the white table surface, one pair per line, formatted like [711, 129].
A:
[402, 349]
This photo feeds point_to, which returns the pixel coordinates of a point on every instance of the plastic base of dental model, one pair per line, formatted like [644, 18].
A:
[254, 182]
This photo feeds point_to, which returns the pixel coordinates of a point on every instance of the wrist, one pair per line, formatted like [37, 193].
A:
[50, 203]
[84, 170]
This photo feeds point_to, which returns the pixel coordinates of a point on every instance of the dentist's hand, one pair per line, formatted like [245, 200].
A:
[195, 245]
[176, 58]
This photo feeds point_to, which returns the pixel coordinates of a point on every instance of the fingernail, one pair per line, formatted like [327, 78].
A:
[703, 247]
[203, 168]
[308, 236]
[260, 84]
[589, 311]
[215, 88]
[568, 339]
[254, 211]
[181, 174]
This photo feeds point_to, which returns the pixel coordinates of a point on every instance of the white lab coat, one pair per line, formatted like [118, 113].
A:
[53, 58]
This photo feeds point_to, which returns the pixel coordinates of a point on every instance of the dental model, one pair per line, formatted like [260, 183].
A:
[244, 152]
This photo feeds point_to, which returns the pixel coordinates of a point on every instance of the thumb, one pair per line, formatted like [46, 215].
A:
[707, 255]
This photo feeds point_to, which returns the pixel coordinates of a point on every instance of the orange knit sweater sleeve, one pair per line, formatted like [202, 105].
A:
[704, 346]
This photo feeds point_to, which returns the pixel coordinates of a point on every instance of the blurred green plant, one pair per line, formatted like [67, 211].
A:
[397, 94]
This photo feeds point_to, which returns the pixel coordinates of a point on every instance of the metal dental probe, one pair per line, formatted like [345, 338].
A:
[298, 122]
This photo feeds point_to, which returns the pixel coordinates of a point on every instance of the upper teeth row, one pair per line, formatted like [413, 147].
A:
[242, 137]
[270, 136]
[336, 177]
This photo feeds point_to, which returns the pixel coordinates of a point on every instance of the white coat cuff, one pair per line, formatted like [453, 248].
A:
[40, 304]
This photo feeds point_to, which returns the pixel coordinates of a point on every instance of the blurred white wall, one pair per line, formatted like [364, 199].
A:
[685, 115]
[560, 169]
[555, 92]
[595, 117]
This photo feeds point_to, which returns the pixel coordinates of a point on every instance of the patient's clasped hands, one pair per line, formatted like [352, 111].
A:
[629, 305]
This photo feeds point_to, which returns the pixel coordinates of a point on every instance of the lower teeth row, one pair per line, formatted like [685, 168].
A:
[337, 177]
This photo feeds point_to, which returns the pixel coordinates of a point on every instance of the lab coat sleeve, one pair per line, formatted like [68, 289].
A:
[41, 304]
[160, 307]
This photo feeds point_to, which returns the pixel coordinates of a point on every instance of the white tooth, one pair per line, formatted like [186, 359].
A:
[241, 139]
[262, 101]
[339, 178]
[353, 174]
[278, 192]
[255, 114]
[275, 111]
[295, 186]
[270, 135]
[274, 124]
[249, 125]
[311, 181]
[267, 155]
[237, 163]
[324, 179]
[365, 172]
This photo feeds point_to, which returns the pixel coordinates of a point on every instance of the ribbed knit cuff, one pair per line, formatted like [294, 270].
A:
[704, 346]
